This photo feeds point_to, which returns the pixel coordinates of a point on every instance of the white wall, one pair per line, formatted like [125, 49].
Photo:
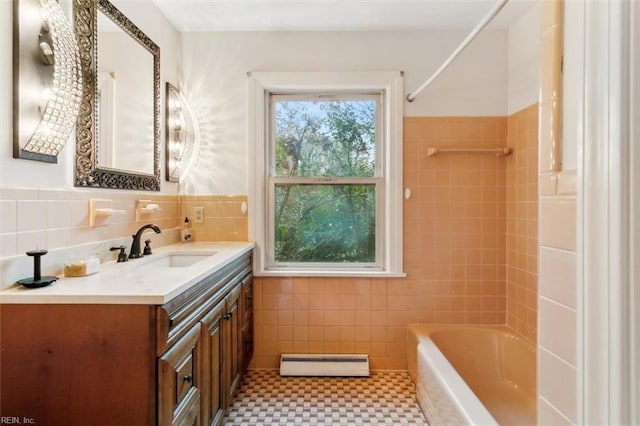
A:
[215, 82]
[524, 61]
[25, 173]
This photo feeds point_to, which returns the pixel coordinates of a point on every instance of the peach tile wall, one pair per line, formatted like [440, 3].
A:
[224, 219]
[454, 224]
[522, 222]
[454, 251]
[557, 299]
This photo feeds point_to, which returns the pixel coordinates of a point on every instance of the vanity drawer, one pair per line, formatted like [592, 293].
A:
[179, 377]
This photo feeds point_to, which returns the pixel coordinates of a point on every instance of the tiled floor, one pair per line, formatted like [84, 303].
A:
[265, 398]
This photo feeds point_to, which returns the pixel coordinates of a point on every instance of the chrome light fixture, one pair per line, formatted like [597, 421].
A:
[182, 135]
[47, 85]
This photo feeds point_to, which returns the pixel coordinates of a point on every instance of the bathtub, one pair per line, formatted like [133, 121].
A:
[476, 375]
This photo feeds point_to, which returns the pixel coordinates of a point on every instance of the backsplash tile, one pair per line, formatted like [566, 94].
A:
[8, 245]
[223, 217]
[31, 240]
[31, 215]
[7, 216]
[58, 220]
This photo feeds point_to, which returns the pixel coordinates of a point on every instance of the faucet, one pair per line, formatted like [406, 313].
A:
[135, 246]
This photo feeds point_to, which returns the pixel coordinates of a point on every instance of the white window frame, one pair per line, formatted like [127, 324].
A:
[390, 84]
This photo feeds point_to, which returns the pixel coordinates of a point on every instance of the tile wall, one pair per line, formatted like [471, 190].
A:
[522, 222]
[58, 220]
[224, 219]
[557, 381]
[454, 254]
[52, 218]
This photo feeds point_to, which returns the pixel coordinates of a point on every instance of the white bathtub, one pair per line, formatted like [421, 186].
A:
[475, 375]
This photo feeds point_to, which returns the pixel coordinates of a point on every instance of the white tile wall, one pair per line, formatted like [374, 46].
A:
[557, 333]
[7, 216]
[557, 222]
[58, 220]
[31, 215]
[8, 245]
[557, 329]
[31, 240]
[548, 415]
[557, 273]
[58, 214]
[556, 382]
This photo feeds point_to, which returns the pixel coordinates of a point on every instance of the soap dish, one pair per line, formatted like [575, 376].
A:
[81, 267]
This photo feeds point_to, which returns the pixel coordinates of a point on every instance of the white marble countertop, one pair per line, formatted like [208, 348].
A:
[131, 282]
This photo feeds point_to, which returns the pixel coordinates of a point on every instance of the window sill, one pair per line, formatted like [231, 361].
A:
[327, 273]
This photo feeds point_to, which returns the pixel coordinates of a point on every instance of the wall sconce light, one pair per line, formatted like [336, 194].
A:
[182, 136]
[47, 80]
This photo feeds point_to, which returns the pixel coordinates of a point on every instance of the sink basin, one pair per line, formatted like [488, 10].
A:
[177, 259]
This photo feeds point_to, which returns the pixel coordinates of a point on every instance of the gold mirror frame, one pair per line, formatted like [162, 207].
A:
[87, 171]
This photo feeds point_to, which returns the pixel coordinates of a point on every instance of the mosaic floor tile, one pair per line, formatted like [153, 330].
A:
[265, 398]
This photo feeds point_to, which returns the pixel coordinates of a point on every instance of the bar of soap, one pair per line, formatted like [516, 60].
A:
[81, 267]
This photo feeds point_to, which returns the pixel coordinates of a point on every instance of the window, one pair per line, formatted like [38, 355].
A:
[326, 190]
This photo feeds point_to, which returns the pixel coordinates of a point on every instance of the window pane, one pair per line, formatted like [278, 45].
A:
[325, 138]
[325, 223]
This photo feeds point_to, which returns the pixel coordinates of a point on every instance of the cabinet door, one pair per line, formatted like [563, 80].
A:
[247, 321]
[233, 344]
[212, 355]
[189, 414]
[247, 298]
[179, 380]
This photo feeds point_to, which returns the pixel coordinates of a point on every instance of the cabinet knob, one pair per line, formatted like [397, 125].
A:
[227, 316]
[188, 378]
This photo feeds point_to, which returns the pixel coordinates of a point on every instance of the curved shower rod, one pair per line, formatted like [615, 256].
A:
[496, 9]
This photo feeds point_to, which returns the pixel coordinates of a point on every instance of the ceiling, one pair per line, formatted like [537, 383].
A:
[336, 15]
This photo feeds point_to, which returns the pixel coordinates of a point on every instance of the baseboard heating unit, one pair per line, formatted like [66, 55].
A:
[339, 365]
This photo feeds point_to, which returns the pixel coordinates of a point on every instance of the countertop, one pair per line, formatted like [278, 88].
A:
[131, 282]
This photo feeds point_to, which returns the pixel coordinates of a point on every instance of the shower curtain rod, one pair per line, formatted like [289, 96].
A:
[496, 9]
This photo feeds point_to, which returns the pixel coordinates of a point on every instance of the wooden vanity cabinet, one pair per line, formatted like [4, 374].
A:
[211, 314]
[175, 364]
